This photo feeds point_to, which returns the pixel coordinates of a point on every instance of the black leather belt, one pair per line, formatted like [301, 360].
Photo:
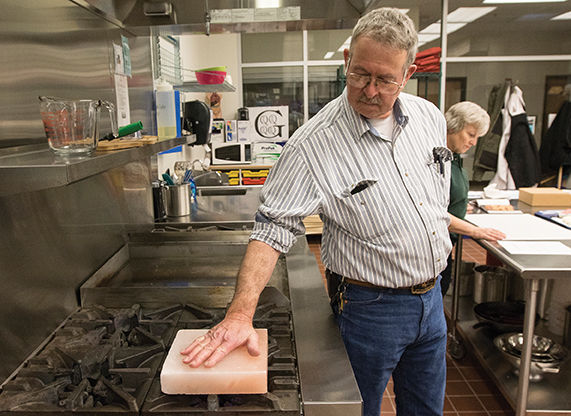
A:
[418, 289]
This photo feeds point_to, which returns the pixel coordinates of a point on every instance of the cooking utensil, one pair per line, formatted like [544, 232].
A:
[167, 178]
[489, 283]
[537, 368]
[501, 316]
[124, 131]
[72, 126]
[542, 348]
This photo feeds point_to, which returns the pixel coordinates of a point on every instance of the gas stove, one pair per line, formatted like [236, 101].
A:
[105, 358]
[108, 360]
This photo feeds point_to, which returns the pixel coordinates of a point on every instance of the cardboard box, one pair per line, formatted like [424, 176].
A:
[545, 197]
[231, 131]
[244, 130]
[217, 135]
[265, 153]
[269, 124]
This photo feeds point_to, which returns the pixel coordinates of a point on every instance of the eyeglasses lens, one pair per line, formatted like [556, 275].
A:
[361, 81]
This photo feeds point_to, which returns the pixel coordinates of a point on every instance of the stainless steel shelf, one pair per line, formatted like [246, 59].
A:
[36, 167]
[551, 394]
[194, 86]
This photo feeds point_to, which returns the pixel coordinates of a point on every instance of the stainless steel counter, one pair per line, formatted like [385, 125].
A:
[221, 205]
[552, 394]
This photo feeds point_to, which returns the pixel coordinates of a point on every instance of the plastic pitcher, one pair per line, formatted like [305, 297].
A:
[72, 126]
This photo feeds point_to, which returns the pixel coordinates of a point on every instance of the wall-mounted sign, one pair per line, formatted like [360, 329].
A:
[271, 14]
[269, 124]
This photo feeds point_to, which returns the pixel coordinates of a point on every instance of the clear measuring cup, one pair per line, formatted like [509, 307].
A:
[72, 126]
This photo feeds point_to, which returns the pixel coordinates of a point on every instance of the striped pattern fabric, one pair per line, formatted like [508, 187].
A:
[383, 201]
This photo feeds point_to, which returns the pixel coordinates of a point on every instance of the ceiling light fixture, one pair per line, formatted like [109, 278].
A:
[347, 42]
[266, 4]
[564, 16]
[468, 14]
[520, 1]
[454, 21]
[435, 28]
[345, 45]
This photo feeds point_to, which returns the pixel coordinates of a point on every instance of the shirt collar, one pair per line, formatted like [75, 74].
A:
[360, 123]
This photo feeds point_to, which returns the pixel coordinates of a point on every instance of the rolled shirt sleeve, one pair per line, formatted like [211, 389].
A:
[288, 196]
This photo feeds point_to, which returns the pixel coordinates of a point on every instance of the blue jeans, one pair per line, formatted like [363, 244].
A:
[400, 334]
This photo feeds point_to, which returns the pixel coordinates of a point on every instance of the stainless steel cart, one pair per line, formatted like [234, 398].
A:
[553, 394]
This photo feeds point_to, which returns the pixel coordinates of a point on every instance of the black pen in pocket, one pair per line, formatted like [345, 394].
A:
[361, 186]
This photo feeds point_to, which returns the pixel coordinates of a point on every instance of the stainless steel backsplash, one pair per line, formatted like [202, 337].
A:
[57, 48]
[53, 239]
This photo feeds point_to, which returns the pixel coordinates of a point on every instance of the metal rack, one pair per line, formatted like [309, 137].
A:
[554, 392]
[35, 167]
[194, 86]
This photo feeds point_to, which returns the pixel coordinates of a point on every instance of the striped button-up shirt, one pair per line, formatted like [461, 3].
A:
[383, 200]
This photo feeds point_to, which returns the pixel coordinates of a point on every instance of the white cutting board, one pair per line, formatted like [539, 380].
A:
[237, 373]
[521, 226]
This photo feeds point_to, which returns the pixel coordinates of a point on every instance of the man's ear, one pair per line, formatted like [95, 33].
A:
[347, 57]
[411, 70]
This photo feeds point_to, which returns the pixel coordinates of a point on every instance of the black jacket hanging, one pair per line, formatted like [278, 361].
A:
[522, 154]
[555, 150]
[486, 154]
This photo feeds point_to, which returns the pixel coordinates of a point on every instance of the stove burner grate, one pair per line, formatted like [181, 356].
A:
[107, 361]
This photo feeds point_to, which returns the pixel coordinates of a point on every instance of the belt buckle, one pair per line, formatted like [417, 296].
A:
[422, 288]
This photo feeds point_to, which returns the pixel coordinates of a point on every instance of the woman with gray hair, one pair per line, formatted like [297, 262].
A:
[465, 122]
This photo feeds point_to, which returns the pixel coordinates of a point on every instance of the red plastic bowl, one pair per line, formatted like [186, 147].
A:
[210, 77]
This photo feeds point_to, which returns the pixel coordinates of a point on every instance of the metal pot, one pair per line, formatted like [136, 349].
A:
[489, 284]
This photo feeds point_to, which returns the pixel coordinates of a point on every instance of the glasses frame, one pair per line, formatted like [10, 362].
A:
[377, 80]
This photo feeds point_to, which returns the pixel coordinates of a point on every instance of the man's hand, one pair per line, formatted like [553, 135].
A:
[235, 330]
[489, 234]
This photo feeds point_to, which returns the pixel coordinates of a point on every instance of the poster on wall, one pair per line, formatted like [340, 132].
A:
[269, 124]
[122, 100]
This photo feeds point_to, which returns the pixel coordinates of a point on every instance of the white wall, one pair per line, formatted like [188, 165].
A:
[201, 51]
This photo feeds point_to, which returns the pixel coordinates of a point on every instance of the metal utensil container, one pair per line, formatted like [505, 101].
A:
[178, 200]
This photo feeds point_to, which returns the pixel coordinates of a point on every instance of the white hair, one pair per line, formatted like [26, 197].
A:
[467, 113]
[391, 27]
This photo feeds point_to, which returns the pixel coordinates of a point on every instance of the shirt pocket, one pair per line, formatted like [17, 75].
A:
[358, 208]
[440, 174]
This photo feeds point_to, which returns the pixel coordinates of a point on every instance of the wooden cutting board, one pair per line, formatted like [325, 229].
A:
[237, 373]
[117, 144]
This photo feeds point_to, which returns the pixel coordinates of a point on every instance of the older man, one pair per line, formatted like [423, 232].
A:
[374, 165]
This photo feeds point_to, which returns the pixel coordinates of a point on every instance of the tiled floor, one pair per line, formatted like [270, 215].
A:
[469, 391]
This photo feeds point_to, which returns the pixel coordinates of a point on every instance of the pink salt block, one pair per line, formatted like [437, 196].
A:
[237, 373]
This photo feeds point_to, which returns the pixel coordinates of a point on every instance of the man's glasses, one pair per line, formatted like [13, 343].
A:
[384, 86]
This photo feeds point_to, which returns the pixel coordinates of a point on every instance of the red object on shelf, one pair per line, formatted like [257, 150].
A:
[429, 52]
[428, 60]
[210, 77]
[253, 181]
